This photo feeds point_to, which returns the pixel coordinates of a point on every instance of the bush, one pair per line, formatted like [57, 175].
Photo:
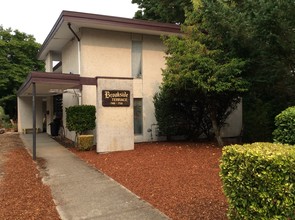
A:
[258, 120]
[285, 126]
[258, 181]
[179, 114]
[80, 118]
[4, 119]
[85, 142]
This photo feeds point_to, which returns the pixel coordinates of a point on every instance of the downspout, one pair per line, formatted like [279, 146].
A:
[79, 57]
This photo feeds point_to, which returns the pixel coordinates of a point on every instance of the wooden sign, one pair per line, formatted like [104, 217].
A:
[115, 98]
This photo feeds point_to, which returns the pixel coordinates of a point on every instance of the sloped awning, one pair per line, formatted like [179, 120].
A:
[48, 84]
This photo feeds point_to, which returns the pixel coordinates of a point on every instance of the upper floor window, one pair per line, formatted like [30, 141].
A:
[136, 59]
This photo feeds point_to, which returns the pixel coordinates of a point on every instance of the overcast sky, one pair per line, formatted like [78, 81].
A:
[37, 17]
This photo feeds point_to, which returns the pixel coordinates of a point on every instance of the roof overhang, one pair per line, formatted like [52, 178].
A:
[61, 34]
[49, 84]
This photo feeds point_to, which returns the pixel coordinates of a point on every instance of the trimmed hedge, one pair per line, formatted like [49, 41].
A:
[85, 142]
[80, 118]
[285, 123]
[258, 180]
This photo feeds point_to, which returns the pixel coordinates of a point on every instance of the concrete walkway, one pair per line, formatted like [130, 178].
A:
[82, 192]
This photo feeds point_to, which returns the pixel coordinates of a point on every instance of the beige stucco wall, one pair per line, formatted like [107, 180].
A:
[114, 125]
[105, 53]
[70, 98]
[70, 61]
[70, 64]
[234, 123]
[153, 61]
[108, 54]
[49, 61]
[49, 115]
[25, 113]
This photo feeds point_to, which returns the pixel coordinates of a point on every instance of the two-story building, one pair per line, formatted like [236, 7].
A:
[112, 63]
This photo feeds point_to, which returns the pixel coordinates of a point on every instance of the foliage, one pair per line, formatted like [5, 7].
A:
[178, 113]
[4, 119]
[80, 118]
[269, 46]
[201, 65]
[18, 57]
[258, 180]
[285, 126]
[164, 11]
[248, 31]
[258, 119]
[85, 142]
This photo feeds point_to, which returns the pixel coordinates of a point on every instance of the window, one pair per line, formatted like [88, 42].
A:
[137, 105]
[136, 59]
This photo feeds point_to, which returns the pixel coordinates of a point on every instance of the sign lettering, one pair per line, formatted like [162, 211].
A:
[115, 98]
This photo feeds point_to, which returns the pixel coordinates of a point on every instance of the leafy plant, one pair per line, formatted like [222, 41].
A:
[201, 64]
[258, 180]
[80, 118]
[178, 113]
[85, 142]
[170, 11]
[4, 119]
[18, 57]
[285, 126]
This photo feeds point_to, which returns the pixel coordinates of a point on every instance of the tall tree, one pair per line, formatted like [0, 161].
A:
[18, 56]
[266, 38]
[170, 11]
[200, 63]
[262, 33]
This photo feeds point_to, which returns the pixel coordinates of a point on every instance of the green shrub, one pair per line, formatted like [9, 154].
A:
[285, 126]
[258, 120]
[4, 119]
[85, 142]
[258, 180]
[80, 118]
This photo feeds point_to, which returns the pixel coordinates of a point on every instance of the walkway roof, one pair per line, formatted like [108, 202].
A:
[48, 84]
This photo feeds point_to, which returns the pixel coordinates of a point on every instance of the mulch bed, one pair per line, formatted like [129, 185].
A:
[22, 194]
[181, 179]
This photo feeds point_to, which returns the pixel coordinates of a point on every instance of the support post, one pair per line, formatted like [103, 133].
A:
[34, 120]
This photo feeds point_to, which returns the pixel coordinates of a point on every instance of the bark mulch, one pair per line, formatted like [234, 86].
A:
[180, 179]
[22, 193]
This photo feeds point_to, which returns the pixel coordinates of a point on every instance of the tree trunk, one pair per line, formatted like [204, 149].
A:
[216, 129]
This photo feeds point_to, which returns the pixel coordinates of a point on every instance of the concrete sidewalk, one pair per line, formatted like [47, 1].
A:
[82, 192]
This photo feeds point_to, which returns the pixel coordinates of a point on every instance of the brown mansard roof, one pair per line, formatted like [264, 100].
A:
[60, 33]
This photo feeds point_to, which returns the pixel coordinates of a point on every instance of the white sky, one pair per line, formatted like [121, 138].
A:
[37, 17]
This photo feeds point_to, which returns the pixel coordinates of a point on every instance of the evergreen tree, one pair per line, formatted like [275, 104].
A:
[265, 36]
